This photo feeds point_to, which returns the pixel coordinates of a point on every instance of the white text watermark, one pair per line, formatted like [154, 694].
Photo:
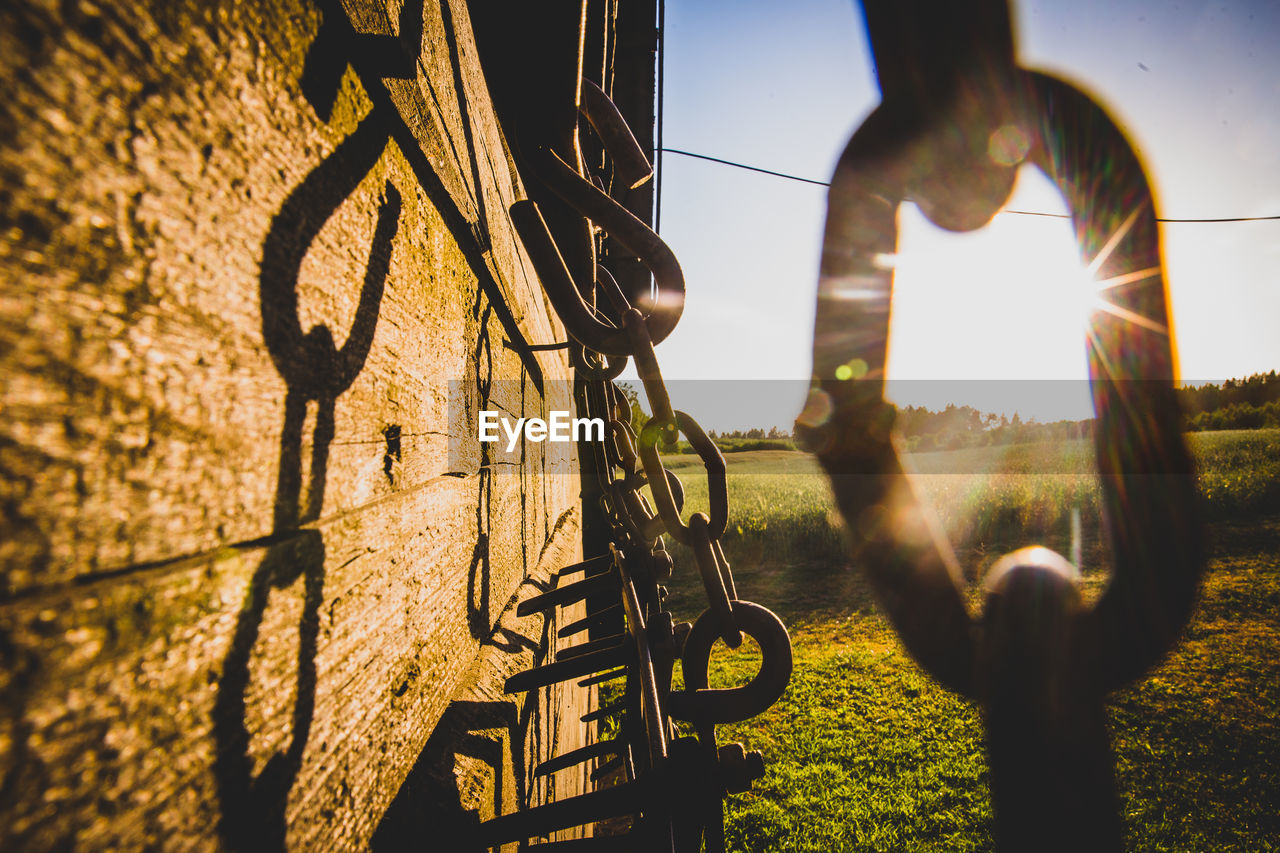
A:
[558, 427]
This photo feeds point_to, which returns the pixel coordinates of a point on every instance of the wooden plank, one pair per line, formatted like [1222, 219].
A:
[144, 415]
[480, 758]
[246, 567]
[132, 689]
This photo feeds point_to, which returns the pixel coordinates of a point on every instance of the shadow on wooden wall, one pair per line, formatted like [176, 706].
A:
[314, 371]
[173, 670]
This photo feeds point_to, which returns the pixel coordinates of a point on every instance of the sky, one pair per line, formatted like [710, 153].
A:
[1195, 86]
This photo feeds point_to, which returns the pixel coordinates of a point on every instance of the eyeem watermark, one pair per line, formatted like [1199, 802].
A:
[560, 427]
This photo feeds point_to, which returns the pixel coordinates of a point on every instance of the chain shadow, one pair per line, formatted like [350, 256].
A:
[429, 804]
[376, 58]
[253, 807]
[336, 45]
[315, 371]
[478, 571]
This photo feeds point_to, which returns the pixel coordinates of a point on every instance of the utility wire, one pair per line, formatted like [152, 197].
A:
[1019, 212]
[662, 59]
[745, 166]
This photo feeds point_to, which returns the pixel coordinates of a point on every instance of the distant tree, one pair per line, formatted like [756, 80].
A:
[639, 417]
[1235, 404]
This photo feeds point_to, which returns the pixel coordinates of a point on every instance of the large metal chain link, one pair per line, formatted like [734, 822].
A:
[957, 118]
[674, 785]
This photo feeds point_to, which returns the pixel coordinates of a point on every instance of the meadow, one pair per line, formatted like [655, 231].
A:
[866, 752]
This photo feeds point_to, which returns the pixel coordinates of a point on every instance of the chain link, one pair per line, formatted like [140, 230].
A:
[675, 785]
[1039, 661]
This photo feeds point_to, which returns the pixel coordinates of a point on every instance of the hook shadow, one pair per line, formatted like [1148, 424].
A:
[315, 371]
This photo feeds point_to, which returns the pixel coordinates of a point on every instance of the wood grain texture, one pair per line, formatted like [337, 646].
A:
[256, 277]
[481, 757]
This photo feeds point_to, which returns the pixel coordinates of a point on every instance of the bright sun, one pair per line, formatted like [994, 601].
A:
[995, 318]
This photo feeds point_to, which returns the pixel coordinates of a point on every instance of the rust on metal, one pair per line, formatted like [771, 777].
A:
[1041, 680]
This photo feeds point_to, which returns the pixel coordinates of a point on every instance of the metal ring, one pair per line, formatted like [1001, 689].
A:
[622, 225]
[1147, 481]
[580, 319]
[701, 705]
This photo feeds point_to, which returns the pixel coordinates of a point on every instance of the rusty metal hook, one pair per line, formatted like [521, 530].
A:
[712, 461]
[702, 705]
[580, 319]
[629, 161]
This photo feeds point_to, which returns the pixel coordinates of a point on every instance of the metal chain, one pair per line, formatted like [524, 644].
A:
[958, 117]
[675, 785]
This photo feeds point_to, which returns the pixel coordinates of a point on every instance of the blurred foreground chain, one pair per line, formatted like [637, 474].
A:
[674, 786]
[958, 117]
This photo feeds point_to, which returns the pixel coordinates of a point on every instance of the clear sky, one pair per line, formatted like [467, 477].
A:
[1196, 86]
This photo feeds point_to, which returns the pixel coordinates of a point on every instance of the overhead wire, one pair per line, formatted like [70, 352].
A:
[800, 179]
[657, 181]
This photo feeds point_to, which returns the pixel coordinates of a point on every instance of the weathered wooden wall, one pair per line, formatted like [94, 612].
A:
[244, 249]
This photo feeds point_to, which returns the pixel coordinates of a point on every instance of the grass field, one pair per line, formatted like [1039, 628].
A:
[865, 752]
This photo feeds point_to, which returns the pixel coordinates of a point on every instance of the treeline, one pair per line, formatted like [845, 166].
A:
[1249, 403]
[756, 433]
[740, 440]
[956, 427]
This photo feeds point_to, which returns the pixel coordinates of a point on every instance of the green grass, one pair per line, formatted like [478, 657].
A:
[865, 752]
[989, 500]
